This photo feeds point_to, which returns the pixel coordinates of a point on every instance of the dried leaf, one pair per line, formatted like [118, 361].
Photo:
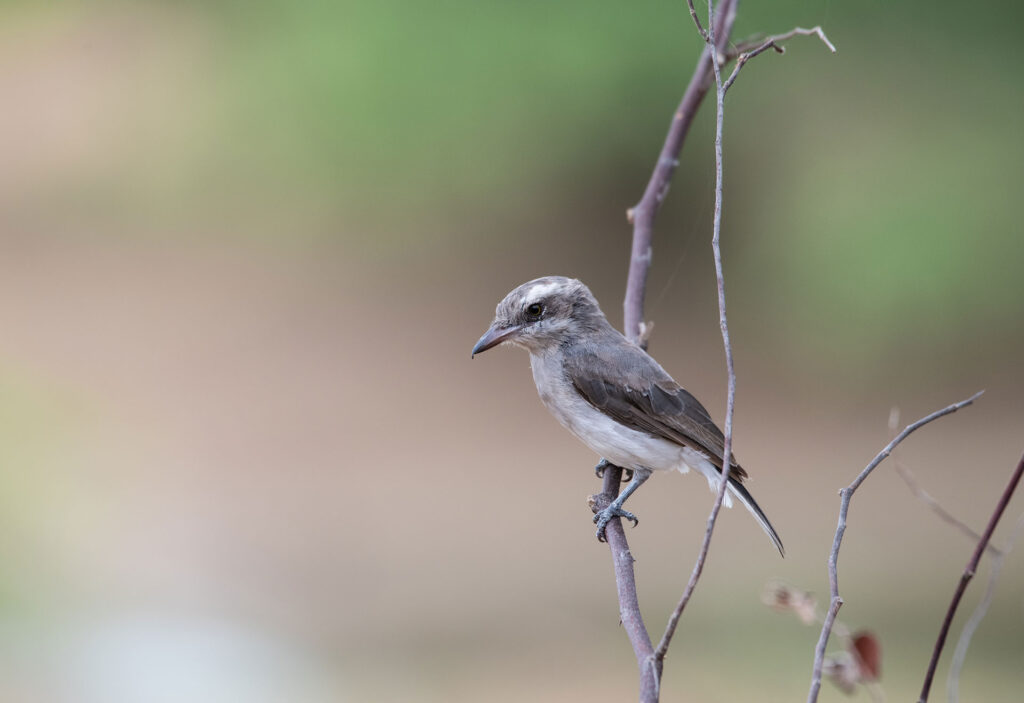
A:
[784, 598]
[868, 651]
[842, 670]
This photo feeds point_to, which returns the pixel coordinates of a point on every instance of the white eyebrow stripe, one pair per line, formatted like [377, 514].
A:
[543, 289]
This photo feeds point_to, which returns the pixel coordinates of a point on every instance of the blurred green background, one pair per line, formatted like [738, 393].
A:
[246, 248]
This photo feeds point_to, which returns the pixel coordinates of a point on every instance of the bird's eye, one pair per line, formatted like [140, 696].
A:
[534, 311]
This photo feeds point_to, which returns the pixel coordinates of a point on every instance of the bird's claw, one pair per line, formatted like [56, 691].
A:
[603, 517]
[627, 474]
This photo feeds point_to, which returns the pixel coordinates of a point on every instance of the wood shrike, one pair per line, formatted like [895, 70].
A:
[611, 394]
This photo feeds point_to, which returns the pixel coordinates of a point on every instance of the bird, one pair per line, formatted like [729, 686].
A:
[611, 394]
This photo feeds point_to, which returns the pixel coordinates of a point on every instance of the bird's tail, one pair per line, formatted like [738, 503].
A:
[743, 494]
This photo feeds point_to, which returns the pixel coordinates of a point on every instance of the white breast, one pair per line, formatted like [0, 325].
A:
[615, 442]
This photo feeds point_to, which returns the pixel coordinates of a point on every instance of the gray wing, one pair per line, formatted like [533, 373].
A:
[622, 381]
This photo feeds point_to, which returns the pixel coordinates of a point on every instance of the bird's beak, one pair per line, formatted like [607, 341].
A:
[497, 334]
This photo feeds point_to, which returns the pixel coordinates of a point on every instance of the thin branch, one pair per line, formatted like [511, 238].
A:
[774, 42]
[969, 570]
[960, 653]
[696, 21]
[716, 37]
[643, 213]
[924, 496]
[723, 322]
[747, 45]
[642, 217]
[844, 506]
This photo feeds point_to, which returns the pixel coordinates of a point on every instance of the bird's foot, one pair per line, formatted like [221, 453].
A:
[627, 474]
[603, 517]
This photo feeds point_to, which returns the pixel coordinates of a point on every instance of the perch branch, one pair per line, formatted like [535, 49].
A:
[625, 583]
[844, 505]
[972, 566]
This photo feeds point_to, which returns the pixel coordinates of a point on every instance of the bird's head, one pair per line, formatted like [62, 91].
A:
[543, 314]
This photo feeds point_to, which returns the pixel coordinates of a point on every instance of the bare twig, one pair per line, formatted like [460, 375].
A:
[745, 46]
[908, 477]
[960, 653]
[716, 37]
[642, 217]
[696, 21]
[844, 506]
[773, 42]
[972, 566]
[698, 567]
[643, 213]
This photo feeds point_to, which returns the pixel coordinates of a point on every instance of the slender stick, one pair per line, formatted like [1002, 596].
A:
[720, 23]
[710, 37]
[972, 566]
[844, 506]
[960, 653]
[642, 217]
[696, 20]
[698, 567]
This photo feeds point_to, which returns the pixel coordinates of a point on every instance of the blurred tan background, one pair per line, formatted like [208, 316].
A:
[246, 249]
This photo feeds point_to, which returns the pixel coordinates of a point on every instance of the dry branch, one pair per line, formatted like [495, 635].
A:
[642, 216]
[960, 653]
[698, 567]
[972, 566]
[716, 37]
[643, 213]
[844, 506]
[774, 42]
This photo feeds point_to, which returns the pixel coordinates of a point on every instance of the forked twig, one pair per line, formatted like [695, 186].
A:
[844, 506]
[773, 42]
[642, 218]
[723, 322]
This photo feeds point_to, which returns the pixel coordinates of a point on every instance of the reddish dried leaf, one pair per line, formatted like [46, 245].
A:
[869, 654]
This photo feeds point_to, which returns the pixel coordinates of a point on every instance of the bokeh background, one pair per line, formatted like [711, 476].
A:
[246, 248]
